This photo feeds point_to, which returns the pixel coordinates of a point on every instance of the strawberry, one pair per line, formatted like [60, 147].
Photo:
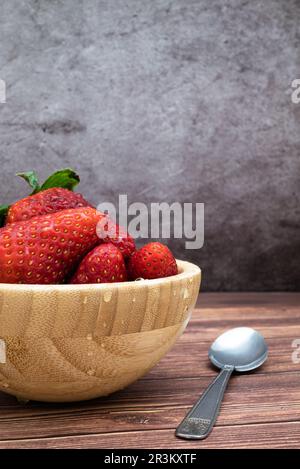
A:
[154, 260]
[48, 201]
[46, 249]
[109, 232]
[104, 264]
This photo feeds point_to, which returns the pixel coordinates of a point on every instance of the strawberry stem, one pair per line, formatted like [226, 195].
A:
[32, 179]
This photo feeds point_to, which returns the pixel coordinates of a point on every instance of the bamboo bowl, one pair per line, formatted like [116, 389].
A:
[74, 342]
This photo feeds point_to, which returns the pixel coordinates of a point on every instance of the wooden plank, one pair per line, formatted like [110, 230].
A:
[270, 435]
[253, 299]
[152, 405]
[273, 321]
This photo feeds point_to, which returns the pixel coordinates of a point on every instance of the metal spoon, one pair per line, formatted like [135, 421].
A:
[239, 349]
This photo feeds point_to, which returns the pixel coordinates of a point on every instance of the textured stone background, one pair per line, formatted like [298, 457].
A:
[183, 100]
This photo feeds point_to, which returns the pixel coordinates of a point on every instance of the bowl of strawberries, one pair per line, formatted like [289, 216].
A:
[83, 313]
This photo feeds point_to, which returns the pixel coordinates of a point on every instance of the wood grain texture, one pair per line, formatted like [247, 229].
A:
[260, 410]
[283, 436]
[74, 342]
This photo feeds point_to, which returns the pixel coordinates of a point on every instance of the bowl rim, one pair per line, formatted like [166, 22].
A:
[187, 270]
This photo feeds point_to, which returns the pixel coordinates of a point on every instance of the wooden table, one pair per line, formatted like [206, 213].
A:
[260, 410]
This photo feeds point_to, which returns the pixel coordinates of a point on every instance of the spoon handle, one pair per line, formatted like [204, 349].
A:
[199, 422]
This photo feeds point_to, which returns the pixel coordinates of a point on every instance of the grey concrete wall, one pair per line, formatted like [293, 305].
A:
[183, 100]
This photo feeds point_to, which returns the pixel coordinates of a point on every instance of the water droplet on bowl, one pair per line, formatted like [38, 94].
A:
[139, 279]
[133, 300]
[107, 296]
[91, 372]
[85, 299]
[104, 325]
[186, 293]
[174, 293]
[90, 354]
[89, 337]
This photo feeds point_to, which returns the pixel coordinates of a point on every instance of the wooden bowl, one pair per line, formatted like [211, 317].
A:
[75, 342]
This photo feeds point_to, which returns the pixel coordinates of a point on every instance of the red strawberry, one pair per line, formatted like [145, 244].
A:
[45, 249]
[152, 261]
[109, 232]
[104, 264]
[48, 201]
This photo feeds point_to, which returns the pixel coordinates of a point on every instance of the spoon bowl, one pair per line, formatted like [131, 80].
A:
[242, 347]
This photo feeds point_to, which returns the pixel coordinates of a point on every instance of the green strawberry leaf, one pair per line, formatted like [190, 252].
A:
[32, 179]
[65, 178]
[3, 213]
